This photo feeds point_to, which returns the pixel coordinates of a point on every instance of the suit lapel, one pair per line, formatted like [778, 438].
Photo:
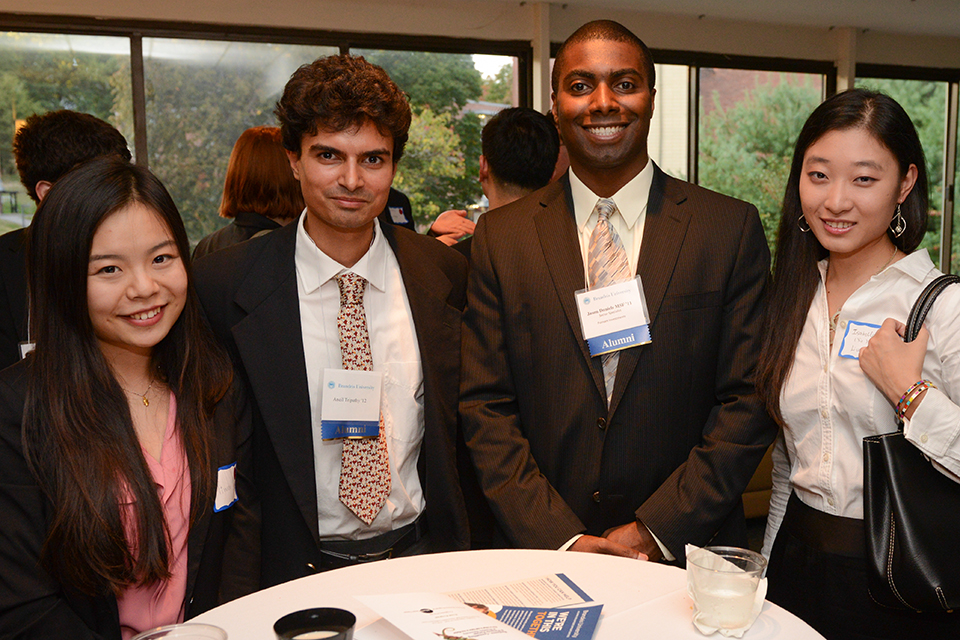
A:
[271, 346]
[196, 538]
[663, 233]
[427, 291]
[437, 326]
[557, 231]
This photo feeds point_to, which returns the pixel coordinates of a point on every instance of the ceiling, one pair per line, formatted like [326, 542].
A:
[926, 17]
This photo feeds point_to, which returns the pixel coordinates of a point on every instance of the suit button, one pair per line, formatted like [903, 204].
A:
[596, 497]
[601, 423]
[311, 567]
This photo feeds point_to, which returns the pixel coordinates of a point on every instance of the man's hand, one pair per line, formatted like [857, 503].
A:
[593, 544]
[636, 536]
[453, 224]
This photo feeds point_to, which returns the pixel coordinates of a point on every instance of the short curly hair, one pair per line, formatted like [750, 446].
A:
[341, 92]
[49, 145]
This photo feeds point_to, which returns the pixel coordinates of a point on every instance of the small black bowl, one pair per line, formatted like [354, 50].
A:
[300, 623]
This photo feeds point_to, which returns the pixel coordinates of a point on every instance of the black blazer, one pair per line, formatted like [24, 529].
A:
[13, 295]
[244, 226]
[222, 548]
[249, 292]
[684, 430]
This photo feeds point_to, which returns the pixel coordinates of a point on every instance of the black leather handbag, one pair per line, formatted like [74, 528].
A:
[911, 511]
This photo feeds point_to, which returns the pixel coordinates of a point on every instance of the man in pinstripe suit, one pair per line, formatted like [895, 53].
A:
[661, 457]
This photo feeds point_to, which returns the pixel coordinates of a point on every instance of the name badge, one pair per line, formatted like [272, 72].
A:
[398, 216]
[26, 348]
[614, 317]
[351, 404]
[856, 337]
[226, 487]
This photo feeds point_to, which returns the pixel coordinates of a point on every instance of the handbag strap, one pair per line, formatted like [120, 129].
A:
[923, 304]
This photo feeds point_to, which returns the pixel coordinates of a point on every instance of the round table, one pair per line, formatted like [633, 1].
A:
[641, 599]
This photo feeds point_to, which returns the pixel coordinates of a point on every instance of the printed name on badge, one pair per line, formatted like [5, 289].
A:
[350, 404]
[614, 317]
[855, 337]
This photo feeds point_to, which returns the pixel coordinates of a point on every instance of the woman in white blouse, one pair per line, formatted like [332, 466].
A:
[834, 366]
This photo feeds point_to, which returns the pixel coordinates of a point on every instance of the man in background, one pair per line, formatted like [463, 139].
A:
[45, 148]
[519, 149]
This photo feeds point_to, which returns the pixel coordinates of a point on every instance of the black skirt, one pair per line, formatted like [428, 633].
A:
[817, 572]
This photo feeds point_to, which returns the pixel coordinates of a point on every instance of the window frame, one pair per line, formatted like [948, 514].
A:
[136, 30]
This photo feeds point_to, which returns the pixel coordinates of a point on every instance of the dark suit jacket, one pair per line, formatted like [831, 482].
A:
[13, 295]
[222, 548]
[398, 200]
[243, 227]
[250, 295]
[684, 430]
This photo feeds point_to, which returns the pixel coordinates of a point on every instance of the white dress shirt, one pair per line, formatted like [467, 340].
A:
[631, 201]
[393, 345]
[829, 405]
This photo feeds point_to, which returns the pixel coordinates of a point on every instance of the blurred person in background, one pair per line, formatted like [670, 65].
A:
[259, 191]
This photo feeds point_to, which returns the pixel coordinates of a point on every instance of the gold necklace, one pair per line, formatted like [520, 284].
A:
[890, 261]
[835, 318]
[142, 396]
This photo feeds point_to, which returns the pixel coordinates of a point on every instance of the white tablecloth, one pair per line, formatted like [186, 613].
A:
[641, 599]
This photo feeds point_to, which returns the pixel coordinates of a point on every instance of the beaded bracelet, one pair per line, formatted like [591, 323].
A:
[912, 394]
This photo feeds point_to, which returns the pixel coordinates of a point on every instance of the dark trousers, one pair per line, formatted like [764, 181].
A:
[817, 572]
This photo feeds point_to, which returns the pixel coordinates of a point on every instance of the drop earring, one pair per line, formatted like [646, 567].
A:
[898, 225]
[801, 223]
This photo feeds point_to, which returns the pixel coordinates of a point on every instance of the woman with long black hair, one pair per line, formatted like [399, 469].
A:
[834, 367]
[123, 440]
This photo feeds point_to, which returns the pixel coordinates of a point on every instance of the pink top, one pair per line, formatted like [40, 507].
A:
[154, 605]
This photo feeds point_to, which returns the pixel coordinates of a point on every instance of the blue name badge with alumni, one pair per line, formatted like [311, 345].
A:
[614, 317]
[351, 404]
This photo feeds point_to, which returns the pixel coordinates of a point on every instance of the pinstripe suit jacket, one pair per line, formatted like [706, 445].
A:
[684, 430]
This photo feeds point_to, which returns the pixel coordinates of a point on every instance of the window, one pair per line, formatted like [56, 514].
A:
[749, 122]
[204, 85]
[200, 96]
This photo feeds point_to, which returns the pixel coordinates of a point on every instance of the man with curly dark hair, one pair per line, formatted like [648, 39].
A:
[45, 148]
[335, 291]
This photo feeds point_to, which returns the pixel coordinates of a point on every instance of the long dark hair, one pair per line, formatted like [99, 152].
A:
[78, 433]
[795, 273]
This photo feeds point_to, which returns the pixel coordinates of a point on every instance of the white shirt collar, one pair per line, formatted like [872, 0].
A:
[916, 265]
[315, 268]
[631, 199]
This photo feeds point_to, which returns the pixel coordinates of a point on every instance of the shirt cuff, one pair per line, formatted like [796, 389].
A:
[569, 543]
[666, 552]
